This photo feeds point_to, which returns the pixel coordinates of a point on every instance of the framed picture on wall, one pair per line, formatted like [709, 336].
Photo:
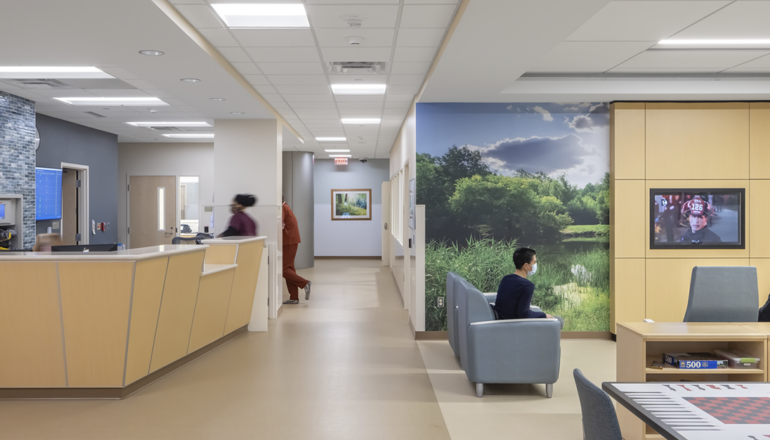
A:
[351, 204]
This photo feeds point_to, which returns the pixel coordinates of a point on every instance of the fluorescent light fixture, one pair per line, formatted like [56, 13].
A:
[716, 42]
[340, 155]
[190, 135]
[190, 80]
[169, 124]
[337, 151]
[263, 15]
[53, 72]
[331, 139]
[359, 89]
[361, 121]
[152, 53]
[129, 101]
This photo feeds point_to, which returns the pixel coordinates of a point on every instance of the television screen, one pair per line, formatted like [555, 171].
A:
[703, 218]
[47, 193]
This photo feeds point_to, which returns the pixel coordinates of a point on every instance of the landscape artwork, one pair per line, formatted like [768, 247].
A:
[494, 177]
[351, 204]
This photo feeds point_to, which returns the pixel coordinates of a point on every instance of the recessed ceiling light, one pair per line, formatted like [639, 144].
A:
[716, 42]
[218, 99]
[115, 101]
[331, 139]
[340, 155]
[152, 53]
[359, 89]
[170, 124]
[360, 120]
[63, 72]
[337, 151]
[237, 113]
[266, 15]
[190, 135]
[190, 80]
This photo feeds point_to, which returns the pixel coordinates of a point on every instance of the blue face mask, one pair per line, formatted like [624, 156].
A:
[532, 272]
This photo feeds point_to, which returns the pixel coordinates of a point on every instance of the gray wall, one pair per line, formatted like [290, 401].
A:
[348, 238]
[62, 141]
[17, 157]
[298, 193]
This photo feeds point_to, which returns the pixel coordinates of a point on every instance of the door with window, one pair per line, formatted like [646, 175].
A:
[152, 210]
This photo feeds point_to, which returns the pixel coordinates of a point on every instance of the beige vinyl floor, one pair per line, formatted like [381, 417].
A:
[340, 366]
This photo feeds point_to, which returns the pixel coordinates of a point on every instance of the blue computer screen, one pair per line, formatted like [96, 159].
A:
[2, 211]
[47, 193]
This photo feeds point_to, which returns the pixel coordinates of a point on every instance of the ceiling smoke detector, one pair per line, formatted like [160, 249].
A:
[354, 41]
[353, 21]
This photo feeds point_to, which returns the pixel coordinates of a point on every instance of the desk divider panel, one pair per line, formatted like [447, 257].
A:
[149, 279]
[221, 254]
[177, 309]
[211, 309]
[31, 342]
[244, 285]
[95, 300]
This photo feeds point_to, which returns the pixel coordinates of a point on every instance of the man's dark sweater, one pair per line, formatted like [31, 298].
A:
[513, 298]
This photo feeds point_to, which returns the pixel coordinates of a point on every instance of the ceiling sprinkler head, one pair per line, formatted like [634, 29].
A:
[354, 41]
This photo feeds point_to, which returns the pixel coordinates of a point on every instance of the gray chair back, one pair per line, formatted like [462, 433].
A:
[479, 309]
[599, 419]
[723, 294]
[184, 240]
[461, 288]
[451, 313]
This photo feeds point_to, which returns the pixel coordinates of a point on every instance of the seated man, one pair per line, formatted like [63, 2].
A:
[515, 292]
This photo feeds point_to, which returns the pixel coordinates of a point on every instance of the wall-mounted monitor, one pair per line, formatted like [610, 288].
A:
[47, 193]
[687, 218]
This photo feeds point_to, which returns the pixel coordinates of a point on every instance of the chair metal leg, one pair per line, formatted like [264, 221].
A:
[549, 390]
[479, 389]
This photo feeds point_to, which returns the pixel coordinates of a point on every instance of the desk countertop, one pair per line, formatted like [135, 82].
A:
[145, 253]
[232, 240]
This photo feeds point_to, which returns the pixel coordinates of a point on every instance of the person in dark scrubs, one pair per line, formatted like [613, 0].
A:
[241, 224]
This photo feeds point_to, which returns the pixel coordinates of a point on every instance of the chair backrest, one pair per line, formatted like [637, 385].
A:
[599, 419]
[184, 240]
[479, 309]
[451, 313]
[461, 288]
[723, 294]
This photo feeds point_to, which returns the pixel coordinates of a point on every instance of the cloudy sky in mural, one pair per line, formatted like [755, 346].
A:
[555, 138]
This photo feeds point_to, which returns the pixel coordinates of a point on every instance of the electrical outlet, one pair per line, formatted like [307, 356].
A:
[440, 302]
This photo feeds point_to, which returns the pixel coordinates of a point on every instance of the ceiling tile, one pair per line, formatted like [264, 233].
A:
[588, 57]
[314, 117]
[427, 16]
[356, 79]
[756, 66]
[302, 80]
[257, 80]
[355, 105]
[201, 17]
[273, 98]
[265, 90]
[332, 2]
[300, 98]
[743, 19]
[331, 113]
[246, 68]
[431, 2]
[188, 2]
[393, 111]
[291, 68]
[360, 113]
[380, 16]
[409, 68]
[405, 89]
[643, 20]
[356, 54]
[358, 98]
[401, 98]
[372, 37]
[274, 37]
[690, 60]
[313, 104]
[234, 54]
[398, 104]
[283, 54]
[420, 37]
[406, 80]
[219, 37]
[415, 54]
[303, 90]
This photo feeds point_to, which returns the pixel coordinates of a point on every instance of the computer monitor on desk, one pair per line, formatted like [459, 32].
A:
[86, 248]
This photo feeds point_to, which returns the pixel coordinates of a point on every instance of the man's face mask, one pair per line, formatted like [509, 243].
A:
[532, 272]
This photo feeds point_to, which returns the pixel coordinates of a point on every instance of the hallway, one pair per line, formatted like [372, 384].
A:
[340, 366]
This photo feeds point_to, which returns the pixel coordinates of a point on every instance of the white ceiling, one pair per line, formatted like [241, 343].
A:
[288, 66]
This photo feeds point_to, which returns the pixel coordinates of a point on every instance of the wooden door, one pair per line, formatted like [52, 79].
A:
[152, 210]
[69, 208]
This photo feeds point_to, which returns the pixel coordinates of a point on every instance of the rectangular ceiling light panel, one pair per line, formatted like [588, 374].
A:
[361, 121]
[262, 15]
[132, 101]
[52, 72]
[169, 124]
[340, 155]
[359, 89]
[190, 135]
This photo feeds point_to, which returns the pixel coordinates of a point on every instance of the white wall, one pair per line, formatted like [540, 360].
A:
[358, 238]
[163, 159]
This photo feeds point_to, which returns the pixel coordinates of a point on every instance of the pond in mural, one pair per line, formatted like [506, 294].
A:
[494, 177]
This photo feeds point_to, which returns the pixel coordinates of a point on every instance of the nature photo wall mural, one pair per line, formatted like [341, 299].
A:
[494, 177]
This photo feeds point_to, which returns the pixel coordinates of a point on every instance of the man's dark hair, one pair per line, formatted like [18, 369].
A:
[246, 200]
[522, 256]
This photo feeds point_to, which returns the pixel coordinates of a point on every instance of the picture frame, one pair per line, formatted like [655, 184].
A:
[351, 204]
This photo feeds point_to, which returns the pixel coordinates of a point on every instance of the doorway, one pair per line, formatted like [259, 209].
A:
[152, 218]
[75, 209]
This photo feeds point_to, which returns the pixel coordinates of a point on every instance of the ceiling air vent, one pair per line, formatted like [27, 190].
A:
[95, 114]
[357, 67]
[41, 84]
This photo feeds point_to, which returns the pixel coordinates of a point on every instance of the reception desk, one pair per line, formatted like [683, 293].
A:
[103, 325]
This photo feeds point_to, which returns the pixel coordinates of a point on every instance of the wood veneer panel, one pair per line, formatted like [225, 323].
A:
[211, 309]
[763, 280]
[95, 300]
[759, 139]
[697, 141]
[31, 343]
[629, 219]
[221, 254]
[758, 234]
[627, 140]
[145, 307]
[177, 308]
[629, 290]
[244, 285]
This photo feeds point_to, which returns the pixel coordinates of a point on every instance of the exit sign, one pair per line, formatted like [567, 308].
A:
[340, 161]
